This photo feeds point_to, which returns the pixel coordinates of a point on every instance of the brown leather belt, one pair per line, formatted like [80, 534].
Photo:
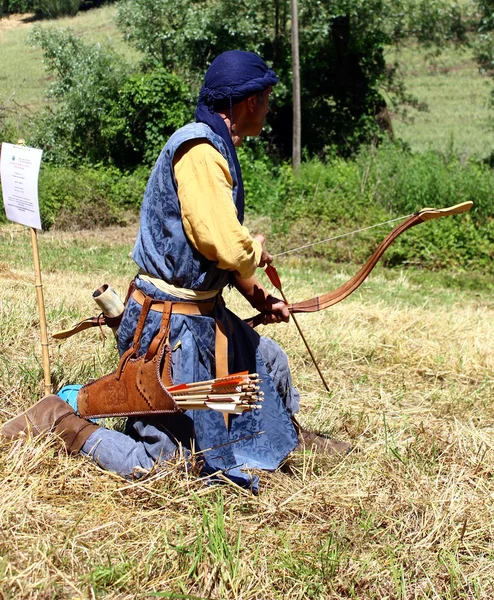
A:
[179, 308]
[194, 309]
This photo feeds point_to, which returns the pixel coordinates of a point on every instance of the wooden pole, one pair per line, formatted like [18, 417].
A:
[297, 117]
[41, 309]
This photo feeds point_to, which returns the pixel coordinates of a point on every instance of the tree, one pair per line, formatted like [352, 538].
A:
[342, 46]
[484, 42]
[106, 111]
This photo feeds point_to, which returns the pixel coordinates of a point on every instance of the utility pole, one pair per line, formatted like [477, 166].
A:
[297, 117]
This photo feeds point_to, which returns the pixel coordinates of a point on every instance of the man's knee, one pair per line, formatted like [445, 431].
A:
[273, 356]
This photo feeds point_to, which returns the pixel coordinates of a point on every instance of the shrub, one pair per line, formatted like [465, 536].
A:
[51, 9]
[151, 106]
[86, 197]
[342, 43]
[327, 200]
[103, 113]
[88, 79]
[48, 9]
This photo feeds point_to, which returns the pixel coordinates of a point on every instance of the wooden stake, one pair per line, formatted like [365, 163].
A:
[41, 310]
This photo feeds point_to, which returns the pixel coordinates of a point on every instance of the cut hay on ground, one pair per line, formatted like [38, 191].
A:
[407, 514]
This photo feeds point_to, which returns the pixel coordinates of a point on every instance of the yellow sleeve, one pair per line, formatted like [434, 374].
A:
[208, 214]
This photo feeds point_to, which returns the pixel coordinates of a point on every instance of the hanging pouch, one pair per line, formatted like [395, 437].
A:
[138, 386]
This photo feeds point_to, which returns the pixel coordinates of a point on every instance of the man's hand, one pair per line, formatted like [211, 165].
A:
[275, 311]
[266, 258]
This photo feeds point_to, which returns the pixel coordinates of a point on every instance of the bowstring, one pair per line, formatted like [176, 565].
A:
[342, 235]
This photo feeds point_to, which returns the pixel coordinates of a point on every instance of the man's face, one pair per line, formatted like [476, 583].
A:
[259, 111]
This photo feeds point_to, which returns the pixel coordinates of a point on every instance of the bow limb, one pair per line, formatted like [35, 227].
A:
[330, 298]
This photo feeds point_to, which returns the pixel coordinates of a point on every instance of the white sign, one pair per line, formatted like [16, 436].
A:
[19, 170]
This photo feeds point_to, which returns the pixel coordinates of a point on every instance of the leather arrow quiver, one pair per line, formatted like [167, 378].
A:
[138, 386]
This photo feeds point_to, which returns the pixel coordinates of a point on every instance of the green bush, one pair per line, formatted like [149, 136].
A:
[151, 106]
[327, 200]
[47, 9]
[85, 198]
[51, 9]
[103, 113]
[82, 124]
[342, 66]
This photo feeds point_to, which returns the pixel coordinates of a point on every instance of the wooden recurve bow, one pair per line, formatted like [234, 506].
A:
[330, 298]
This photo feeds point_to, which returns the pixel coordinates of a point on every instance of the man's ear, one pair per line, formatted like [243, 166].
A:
[251, 103]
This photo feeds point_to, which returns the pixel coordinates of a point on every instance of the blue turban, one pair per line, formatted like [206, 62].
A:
[232, 76]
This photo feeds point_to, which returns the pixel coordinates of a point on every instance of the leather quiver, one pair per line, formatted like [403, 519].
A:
[138, 386]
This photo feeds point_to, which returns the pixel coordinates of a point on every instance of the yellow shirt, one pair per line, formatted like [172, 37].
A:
[208, 214]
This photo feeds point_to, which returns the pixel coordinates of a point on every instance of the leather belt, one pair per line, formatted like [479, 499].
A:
[180, 308]
[194, 309]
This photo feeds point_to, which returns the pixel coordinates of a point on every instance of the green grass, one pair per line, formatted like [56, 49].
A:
[60, 253]
[21, 68]
[459, 119]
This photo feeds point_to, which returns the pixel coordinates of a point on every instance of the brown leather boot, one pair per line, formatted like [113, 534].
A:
[55, 415]
[308, 440]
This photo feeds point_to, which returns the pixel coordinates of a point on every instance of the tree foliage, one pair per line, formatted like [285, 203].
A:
[342, 44]
[103, 112]
[48, 9]
[484, 42]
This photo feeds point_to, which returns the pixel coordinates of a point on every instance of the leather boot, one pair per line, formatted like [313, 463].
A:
[308, 440]
[54, 415]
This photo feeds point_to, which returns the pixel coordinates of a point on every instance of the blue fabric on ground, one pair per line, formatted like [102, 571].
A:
[124, 454]
[69, 394]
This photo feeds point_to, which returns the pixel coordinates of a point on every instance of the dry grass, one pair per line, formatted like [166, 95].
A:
[408, 514]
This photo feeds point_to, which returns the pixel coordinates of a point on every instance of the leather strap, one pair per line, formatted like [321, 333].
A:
[136, 342]
[162, 333]
[221, 350]
[179, 308]
[187, 308]
[89, 323]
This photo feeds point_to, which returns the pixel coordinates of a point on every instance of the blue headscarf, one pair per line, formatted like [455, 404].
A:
[234, 76]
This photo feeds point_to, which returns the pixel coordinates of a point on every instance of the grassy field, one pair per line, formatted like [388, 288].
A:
[459, 118]
[408, 514]
[410, 362]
